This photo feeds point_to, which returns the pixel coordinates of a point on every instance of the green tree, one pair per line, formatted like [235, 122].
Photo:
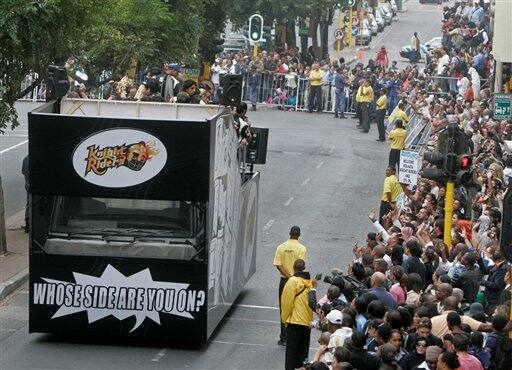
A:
[96, 35]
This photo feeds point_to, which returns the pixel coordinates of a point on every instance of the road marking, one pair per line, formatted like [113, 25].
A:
[252, 344]
[319, 165]
[288, 202]
[14, 147]
[268, 225]
[159, 355]
[331, 150]
[254, 306]
[292, 153]
[252, 320]
[14, 136]
[305, 182]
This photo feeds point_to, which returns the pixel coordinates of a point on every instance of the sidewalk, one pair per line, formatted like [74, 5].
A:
[14, 264]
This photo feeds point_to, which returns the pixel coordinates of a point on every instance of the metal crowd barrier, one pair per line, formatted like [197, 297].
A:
[290, 92]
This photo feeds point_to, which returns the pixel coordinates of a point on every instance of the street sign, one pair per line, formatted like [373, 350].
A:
[351, 3]
[355, 30]
[408, 167]
[304, 31]
[502, 106]
[338, 33]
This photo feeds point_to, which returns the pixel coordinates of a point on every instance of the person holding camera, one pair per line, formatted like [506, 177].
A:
[297, 315]
[285, 256]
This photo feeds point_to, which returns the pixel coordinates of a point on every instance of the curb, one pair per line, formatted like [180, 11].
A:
[10, 285]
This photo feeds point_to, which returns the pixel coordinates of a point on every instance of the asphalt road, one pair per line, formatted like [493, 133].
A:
[321, 174]
[13, 148]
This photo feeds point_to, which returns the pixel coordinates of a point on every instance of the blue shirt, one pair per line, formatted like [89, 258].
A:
[328, 78]
[384, 296]
[477, 16]
[360, 322]
[479, 62]
[338, 82]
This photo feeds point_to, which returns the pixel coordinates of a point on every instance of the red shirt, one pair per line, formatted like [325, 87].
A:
[469, 362]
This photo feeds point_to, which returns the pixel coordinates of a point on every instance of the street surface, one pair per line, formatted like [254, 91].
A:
[321, 174]
[13, 148]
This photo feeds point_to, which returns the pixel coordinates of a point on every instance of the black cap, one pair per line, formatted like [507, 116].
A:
[295, 230]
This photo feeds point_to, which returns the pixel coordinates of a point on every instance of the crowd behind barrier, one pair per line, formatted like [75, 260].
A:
[407, 300]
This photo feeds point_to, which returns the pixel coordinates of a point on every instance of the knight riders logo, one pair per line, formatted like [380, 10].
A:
[133, 156]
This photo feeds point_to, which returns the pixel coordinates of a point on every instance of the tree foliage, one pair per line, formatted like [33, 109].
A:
[96, 34]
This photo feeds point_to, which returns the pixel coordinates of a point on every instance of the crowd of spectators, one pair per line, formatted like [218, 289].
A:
[407, 300]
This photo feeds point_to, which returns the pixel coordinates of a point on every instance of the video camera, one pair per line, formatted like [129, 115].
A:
[349, 286]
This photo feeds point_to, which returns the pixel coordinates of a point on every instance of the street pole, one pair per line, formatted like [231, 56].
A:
[255, 50]
[448, 213]
[498, 77]
[350, 28]
[340, 26]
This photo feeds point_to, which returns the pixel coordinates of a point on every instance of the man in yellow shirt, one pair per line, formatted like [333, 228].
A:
[381, 107]
[364, 96]
[397, 140]
[315, 88]
[286, 255]
[390, 192]
[400, 114]
[297, 315]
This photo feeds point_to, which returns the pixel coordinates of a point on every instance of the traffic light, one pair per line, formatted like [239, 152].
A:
[351, 2]
[217, 45]
[437, 171]
[256, 28]
[463, 170]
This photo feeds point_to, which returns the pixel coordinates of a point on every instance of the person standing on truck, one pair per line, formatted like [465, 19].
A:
[284, 259]
[169, 82]
[297, 315]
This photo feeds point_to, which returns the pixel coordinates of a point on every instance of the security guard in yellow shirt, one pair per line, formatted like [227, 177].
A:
[297, 315]
[286, 255]
[397, 140]
[364, 96]
[390, 192]
[381, 107]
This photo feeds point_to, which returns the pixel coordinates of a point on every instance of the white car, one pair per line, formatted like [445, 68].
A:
[381, 22]
[366, 35]
[435, 43]
[386, 14]
[373, 24]
[394, 7]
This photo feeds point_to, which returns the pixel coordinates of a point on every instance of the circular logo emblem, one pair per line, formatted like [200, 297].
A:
[120, 157]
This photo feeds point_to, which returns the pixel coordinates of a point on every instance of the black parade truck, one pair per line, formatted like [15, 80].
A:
[143, 218]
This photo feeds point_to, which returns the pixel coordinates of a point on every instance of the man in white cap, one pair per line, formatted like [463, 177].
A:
[340, 326]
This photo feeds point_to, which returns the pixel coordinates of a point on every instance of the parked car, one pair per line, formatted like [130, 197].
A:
[381, 23]
[373, 24]
[435, 43]
[386, 14]
[394, 7]
[365, 37]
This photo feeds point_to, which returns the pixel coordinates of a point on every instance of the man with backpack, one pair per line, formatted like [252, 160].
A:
[297, 315]
[499, 344]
